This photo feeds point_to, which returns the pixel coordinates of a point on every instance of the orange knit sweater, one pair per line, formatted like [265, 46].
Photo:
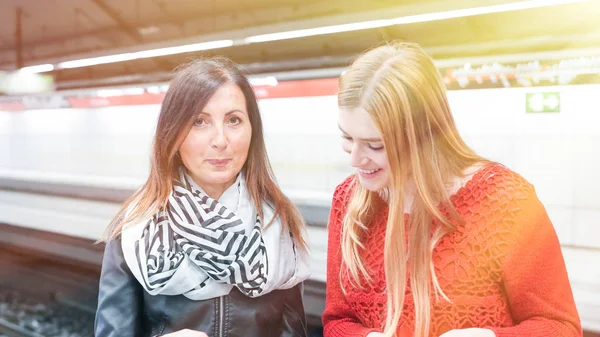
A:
[502, 268]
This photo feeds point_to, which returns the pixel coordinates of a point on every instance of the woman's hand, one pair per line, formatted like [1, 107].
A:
[472, 332]
[186, 333]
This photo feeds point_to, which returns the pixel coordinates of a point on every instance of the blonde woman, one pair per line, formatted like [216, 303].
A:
[428, 238]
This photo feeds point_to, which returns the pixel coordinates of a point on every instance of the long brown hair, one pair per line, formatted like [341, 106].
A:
[399, 86]
[189, 91]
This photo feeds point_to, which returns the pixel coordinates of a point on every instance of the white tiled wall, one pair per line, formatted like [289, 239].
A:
[103, 142]
[558, 152]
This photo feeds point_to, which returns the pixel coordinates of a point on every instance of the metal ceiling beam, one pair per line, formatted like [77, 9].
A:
[131, 31]
[168, 16]
[65, 38]
[19, 36]
[122, 24]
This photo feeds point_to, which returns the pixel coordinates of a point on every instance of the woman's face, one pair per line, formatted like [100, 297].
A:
[363, 142]
[216, 147]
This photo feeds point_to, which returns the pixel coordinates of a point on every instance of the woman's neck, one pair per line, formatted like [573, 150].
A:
[452, 186]
[215, 191]
[409, 194]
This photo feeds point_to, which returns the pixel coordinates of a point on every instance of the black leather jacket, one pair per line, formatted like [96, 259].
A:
[125, 309]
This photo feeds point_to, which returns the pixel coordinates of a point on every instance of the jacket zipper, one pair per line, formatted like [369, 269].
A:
[221, 317]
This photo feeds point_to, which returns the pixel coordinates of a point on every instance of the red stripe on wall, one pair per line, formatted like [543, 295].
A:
[11, 106]
[304, 88]
[90, 102]
[301, 88]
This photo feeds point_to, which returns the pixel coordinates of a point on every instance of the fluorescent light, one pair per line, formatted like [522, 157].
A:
[408, 19]
[149, 30]
[109, 92]
[460, 13]
[348, 27]
[269, 80]
[146, 54]
[119, 92]
[153, 90]
[41, 68]
[97, 60]
[184, 49]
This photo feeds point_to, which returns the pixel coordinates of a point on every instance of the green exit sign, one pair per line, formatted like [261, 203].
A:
[543, 102]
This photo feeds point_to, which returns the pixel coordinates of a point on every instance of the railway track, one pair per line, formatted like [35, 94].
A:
[8, 329]
[42, 298]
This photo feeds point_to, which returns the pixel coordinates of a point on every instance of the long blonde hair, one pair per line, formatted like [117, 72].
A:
[398, 85]
[189, 92]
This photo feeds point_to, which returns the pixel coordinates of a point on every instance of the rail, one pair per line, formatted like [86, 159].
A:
[12, 330]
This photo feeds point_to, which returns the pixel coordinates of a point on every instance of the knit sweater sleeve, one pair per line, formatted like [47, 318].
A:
[534, 273]
[339, 319]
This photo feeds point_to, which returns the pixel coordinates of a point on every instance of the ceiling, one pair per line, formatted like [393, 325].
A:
[49, 31]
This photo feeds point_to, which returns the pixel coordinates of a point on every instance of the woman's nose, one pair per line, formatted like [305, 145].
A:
[219, 139]
[357, 158]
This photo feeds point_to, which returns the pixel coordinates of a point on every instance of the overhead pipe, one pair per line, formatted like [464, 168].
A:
[19, 37]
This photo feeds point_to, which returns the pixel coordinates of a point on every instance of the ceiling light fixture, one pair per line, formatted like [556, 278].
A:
[146, 54]
[41, 68]
[260, 81]
[451, 14]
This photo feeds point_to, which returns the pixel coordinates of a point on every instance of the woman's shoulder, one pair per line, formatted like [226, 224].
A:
[497, 186]
[501, 180]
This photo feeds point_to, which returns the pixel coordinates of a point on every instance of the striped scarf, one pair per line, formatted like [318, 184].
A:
[198, 247]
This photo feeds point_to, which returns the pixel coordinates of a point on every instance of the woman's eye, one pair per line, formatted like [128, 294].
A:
[199, 122]
[376, 147]
[235, 120]
[345, 137]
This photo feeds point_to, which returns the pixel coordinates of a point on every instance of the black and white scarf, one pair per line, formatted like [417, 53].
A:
[202, 248]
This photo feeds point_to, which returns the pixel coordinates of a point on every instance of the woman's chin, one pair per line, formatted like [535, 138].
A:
[374, 185]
